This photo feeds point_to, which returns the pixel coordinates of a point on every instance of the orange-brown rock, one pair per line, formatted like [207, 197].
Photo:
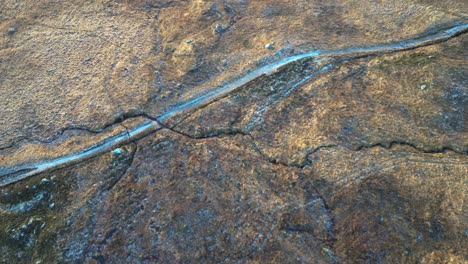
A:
[343, 158]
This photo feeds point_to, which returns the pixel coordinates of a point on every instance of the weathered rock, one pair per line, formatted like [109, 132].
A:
[328, 159]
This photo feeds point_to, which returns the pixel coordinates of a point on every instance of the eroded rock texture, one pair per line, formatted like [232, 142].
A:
[344, 158]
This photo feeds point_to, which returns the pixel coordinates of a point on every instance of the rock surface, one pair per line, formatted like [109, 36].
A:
[337, 159]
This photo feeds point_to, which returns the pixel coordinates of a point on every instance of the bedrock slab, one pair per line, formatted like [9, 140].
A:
[233, 131]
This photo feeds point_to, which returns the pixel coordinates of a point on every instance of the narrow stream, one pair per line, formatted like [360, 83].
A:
[10, 175]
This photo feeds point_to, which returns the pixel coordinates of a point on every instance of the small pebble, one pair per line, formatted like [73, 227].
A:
[117, 152]
[12, 30]
[220, 29]
[423, 87]
[419, 238]
[269, 46]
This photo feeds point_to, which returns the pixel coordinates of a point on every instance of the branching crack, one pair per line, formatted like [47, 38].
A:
[390, 145]
[307, 154]
[60, 133]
